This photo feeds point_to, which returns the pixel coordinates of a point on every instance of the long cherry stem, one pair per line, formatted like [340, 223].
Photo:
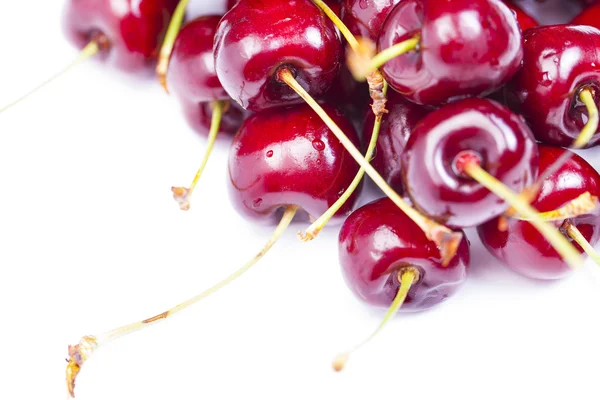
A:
[182, 195]
[90, 50]
[167, 47]
[79, 353]
[576, 235]
[444, 238]
[313, 230]
[589, 130]
[556, 239]
[407, 277]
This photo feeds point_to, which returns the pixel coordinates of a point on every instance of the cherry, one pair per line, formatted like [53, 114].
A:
[520, 246]
[395, 129]
[561, 65]
[589, 16]
[365, 17]
[501, 140]
[525, 20]
[387, 261]
[435, 52]
[289, 157]
[299, 38]
[128, 33]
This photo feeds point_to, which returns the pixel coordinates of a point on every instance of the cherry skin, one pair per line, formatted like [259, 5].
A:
[289, 157]
[521, 246]
[525, 20]
[365, 17]
[559, 61]
[258, 37]
[191, 77]
[590, 16]
[501, 140]
[395, 129]
[378, 240]
[129, 33]
[455, 59]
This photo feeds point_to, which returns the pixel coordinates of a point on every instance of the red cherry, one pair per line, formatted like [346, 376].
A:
[365, 17]
[378, 240]
[289, 157]
[129, 33]
[395, 129]
[258, 37]
[520, 246]
[559, 62]
[525, 20]
[465, 48]
[590, 16]
[500, 141]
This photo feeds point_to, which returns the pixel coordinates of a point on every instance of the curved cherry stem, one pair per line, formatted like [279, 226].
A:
[363, 63]
[90, 50]
[560, 243]
[79, 353]
[586, 95]
[585, 203]
[443, 237]
[181, 194]
[350, 38]
[576, 235]
[313, 230]
[167, 47]
[407, 277]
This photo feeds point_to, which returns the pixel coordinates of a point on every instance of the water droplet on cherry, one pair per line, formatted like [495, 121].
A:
[318, 145]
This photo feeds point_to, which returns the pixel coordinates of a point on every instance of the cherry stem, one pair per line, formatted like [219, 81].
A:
[444, 238]
[315, 228]
[80, 353]
[407, 277]
[350, 38]
[576, 235]
[182, 195]
[567, 251]
[585, 203]
[361, 68]
[589, 130]
[167, 47]
[90, 50]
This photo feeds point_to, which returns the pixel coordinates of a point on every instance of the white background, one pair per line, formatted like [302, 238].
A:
[90, 238]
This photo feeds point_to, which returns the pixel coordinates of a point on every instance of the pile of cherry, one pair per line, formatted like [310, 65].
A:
[459, 110]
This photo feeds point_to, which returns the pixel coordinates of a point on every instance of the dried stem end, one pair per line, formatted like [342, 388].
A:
[339, 362]
[182, 197]
[447, 241]
[78, 355]
[377, 93]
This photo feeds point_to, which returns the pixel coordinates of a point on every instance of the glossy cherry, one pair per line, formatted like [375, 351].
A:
[129, 33]
[378, 240]
[191, 77]
[525, 20]
[590, 16]
[258, 37]
[466, 48]
[559, 62]
[395, 129]
[520, 246]
[289, 157]
[501, 141]
[365, 17]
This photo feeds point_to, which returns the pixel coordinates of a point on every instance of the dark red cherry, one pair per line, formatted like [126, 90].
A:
[191, 75]
[559, 61]
[288, 156]
[525, 20]
[396, 127]
[378, 241]
[365, 17]
[467, 48]
[257, 37]
[590, 16]
[521, 246]
[129, 32]
[500, 140]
